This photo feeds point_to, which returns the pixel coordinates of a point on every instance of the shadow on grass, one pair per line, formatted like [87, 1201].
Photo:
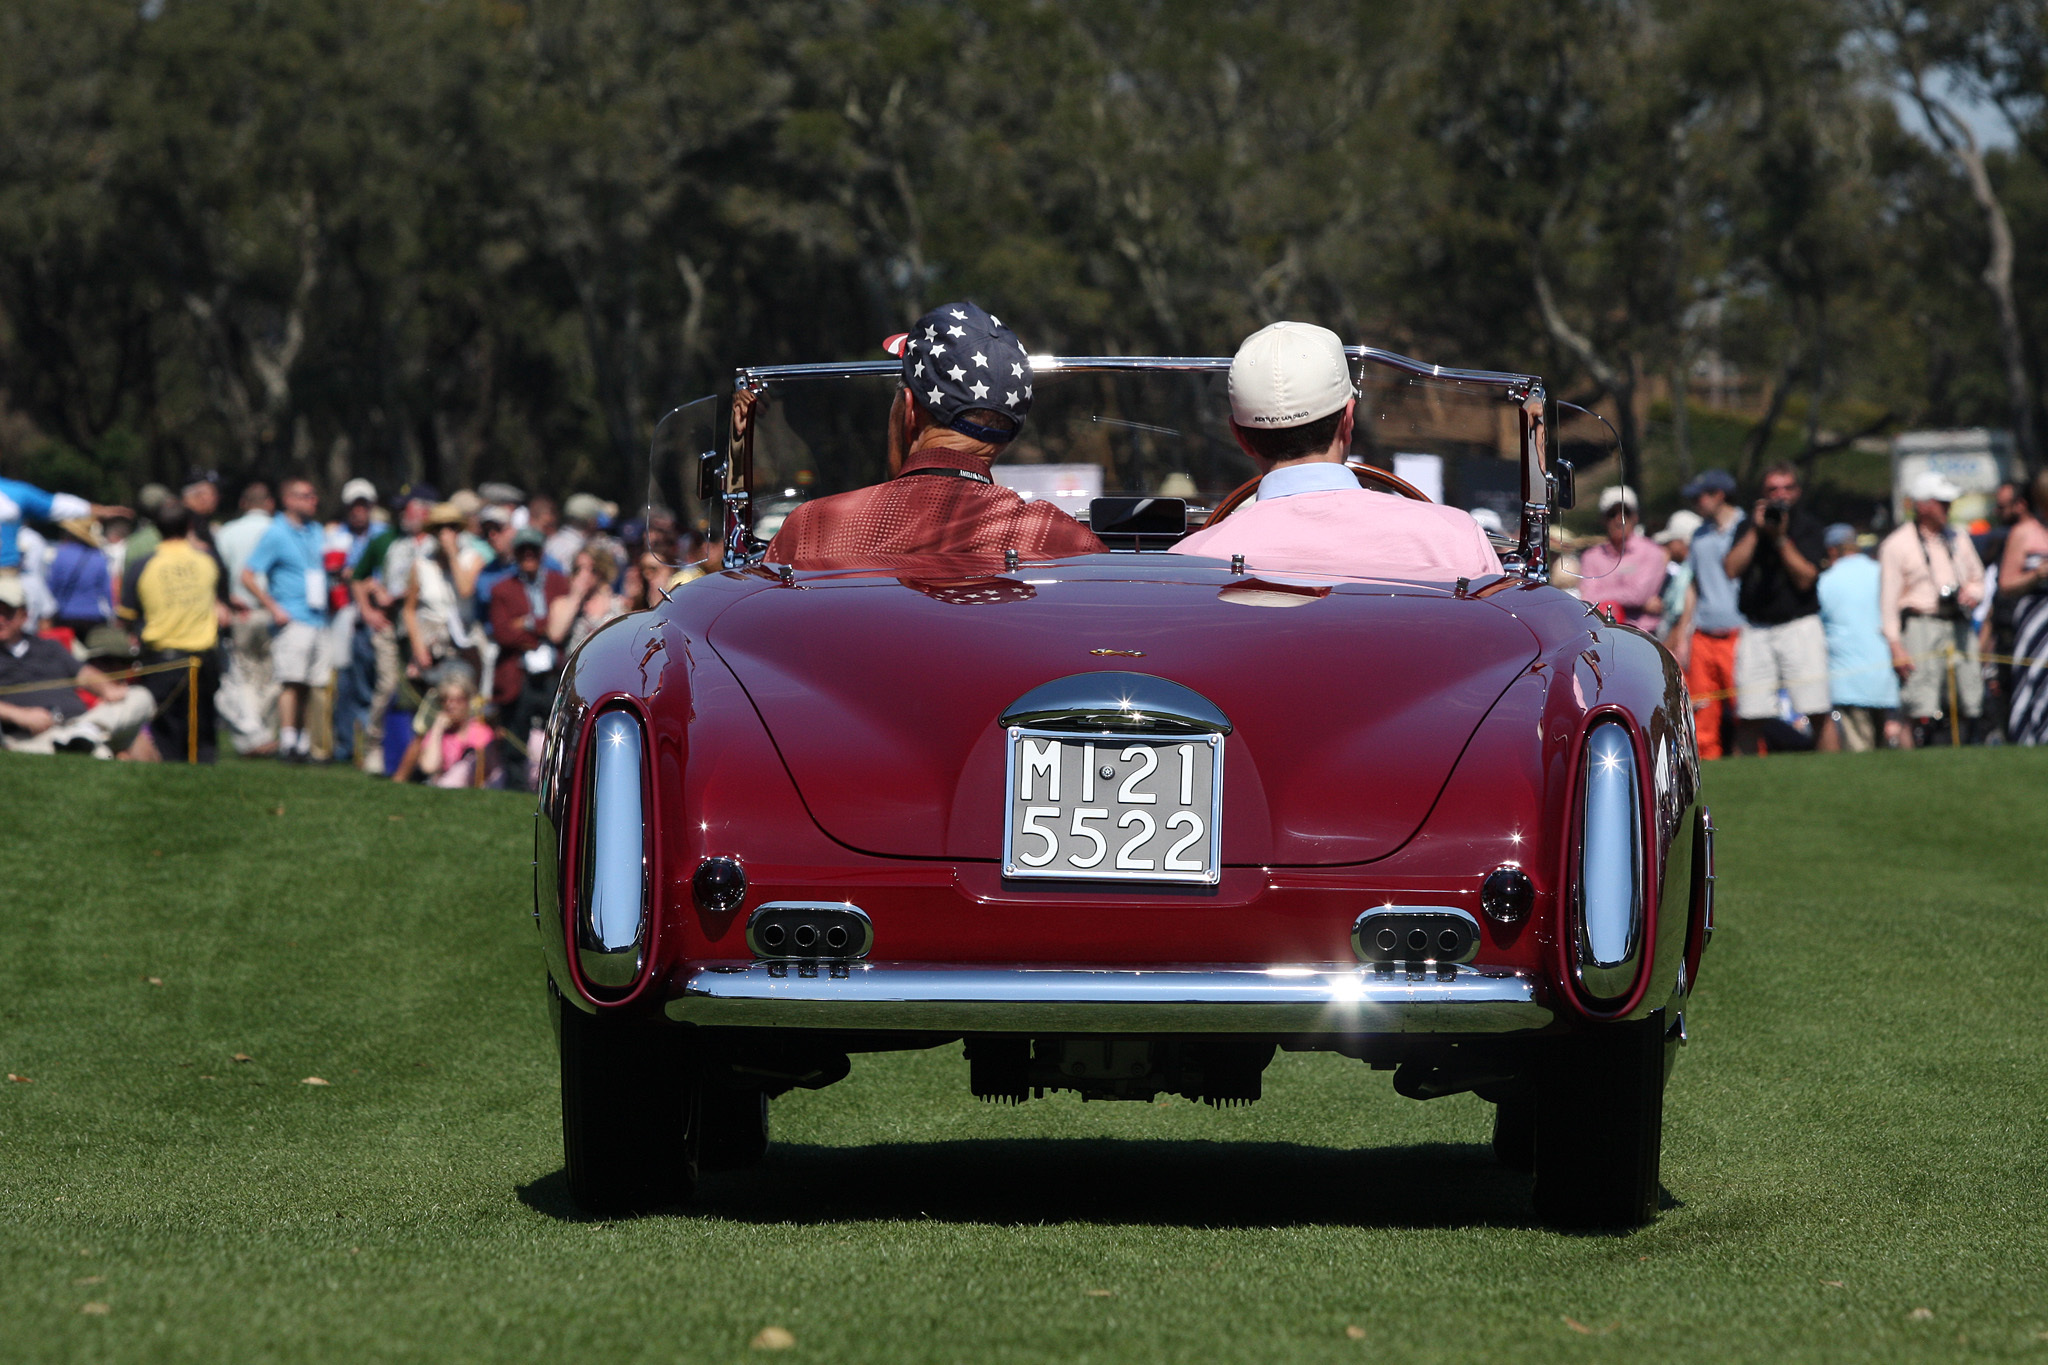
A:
[1096, 1180]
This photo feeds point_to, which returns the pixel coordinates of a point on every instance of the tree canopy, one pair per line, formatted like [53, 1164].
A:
[457, 239]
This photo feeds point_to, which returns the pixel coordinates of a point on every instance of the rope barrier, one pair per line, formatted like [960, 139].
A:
[78, 680]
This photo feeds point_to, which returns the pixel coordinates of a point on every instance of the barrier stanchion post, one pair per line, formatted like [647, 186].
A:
[192, 709]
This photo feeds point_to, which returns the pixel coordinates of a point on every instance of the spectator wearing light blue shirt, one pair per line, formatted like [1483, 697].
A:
[20, 500]
[1705, 643]
[1861, 682]
[286, 574]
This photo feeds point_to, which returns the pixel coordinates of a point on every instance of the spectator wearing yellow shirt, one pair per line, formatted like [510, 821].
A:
[174, 594]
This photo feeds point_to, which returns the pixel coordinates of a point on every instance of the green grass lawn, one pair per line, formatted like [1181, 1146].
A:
[1855, 1144]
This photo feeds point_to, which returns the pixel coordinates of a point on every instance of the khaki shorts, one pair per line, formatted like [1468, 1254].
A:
[300, 653]
[1862, 727]
[1924, 693]
[1792, 655]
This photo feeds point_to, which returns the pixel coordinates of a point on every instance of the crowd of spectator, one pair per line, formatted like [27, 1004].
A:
[419, 638]
[422, 638]
[1798, 635]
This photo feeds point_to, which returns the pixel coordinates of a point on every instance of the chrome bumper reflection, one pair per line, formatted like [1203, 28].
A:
[1208, 999]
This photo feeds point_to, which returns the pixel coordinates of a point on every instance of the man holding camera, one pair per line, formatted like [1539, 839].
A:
[1777, 557]
[1930, 580]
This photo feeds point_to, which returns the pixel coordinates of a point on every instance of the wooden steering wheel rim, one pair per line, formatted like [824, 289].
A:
[1366, 474]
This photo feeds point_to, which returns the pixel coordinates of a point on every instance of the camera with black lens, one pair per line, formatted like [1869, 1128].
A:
[1776, 514]
[1948, 605]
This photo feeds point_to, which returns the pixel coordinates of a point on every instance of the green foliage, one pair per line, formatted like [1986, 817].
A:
[500, 237]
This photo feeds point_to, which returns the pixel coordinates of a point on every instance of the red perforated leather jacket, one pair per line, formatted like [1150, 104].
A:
[944, 502]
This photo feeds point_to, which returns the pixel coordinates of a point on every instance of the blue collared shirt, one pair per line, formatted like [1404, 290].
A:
[1320, 477]
[1717, 610]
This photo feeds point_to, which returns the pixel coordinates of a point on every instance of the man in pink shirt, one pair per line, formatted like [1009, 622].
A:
[1627, 568]
[1291, 402]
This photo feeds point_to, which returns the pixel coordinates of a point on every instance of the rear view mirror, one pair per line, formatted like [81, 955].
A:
[1563, 486]
[1138, 523]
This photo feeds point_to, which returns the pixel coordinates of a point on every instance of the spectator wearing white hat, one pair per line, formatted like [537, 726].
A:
[1776, 556]
[1291, 409]
[582, 516]
[1931, 578]
[1676, 542]
[353, 644]
[1860, 680]
[1626, 570]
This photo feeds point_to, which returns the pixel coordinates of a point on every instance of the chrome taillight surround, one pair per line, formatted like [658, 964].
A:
[1609, 897]
[613, 878]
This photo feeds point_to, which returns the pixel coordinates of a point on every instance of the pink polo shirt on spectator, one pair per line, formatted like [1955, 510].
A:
[1314, 518]
[1632, 575]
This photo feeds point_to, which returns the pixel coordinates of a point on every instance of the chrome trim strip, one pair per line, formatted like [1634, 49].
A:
[1313, 998]
[1116, 699]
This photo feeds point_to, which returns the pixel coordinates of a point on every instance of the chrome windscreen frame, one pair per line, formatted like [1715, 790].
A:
[1529, 559]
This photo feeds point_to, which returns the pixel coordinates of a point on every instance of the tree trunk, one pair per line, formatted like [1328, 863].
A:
[1961, 144]
[1620, 384]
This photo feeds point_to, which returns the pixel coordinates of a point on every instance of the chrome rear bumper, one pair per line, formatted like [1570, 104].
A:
[1322, 998]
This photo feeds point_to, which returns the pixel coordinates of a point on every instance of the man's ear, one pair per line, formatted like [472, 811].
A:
[1260, 462]
[1345, 428]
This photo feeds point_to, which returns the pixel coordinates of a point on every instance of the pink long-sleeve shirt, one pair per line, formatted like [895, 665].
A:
[1632, 576]
[1347, 530]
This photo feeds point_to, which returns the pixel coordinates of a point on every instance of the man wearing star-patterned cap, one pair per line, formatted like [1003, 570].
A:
[966, 390]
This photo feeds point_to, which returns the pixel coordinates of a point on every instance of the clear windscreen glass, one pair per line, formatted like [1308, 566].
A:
[676, 524]
[1140, 433]
[1588, 445]
[1156, 433]
[1459, 441]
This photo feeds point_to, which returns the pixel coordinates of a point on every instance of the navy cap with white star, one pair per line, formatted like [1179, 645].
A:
[959, 357]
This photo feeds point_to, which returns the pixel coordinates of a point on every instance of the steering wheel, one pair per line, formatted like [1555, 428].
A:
[1368, 477]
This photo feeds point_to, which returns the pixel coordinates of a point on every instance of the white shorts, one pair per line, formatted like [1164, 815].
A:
[1794, 656]
[105, 730]
[299, 653]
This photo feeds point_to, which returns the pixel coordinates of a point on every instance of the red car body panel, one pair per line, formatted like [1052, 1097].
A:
[1350, 710]
[1474, 748]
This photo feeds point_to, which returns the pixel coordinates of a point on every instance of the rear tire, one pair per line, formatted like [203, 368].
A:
[1600, 1127]
[629, 1112]
[734, 1128]
[1514, 1134]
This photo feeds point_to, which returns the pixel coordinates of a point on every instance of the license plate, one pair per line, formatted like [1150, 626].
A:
[1106, 807]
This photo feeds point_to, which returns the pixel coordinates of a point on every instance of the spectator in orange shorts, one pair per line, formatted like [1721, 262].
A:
[1704, 640]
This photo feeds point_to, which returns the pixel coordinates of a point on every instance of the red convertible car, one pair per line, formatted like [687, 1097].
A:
[1124, 824]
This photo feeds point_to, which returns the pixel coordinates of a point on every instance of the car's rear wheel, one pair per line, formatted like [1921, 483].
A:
[1514, 1134]
[1600, 1127]
[734, 1129]
[629, 1112]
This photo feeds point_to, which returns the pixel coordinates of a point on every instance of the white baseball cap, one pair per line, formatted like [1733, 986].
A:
[1288, 374]
[1616, 493]
[1680, 527]
[358, 490]
[1928, 486]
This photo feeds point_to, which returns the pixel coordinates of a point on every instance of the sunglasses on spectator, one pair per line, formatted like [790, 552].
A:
[1619, 511]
